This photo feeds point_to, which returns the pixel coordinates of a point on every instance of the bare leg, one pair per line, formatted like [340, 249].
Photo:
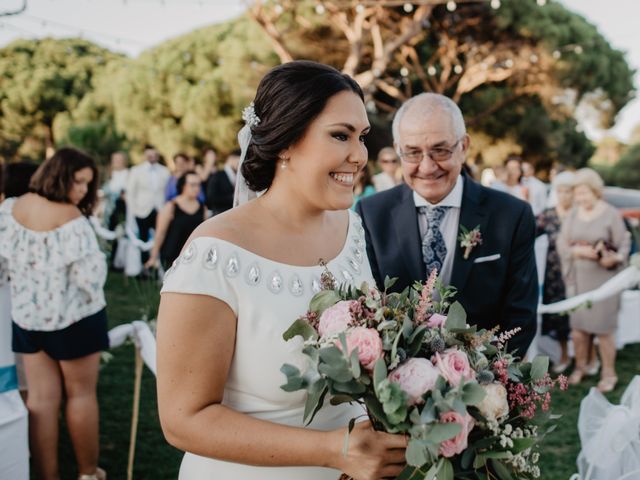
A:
[608, 355]
[564, 352]
[581, 341]
[80, 380]
[45, 396]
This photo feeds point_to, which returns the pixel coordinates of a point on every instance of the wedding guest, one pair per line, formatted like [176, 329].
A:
[145, 192]
[246, 273]
[537, 190]
[177, 220]
[593, 246]
[115, 196]
[363, 186]
[513, 183]
[549, 222]
[15, 182]
[415, 227]
[182, 163]
[221, 185]
[208, 166]
[388, 162]
[16, 178]
[57, 274]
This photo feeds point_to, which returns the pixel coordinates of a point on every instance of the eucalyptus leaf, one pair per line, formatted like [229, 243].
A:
[501, 470]
[457, 317]
[439, 432]
[315, 400]
[416, 453]
[473, 393]
[323, 300]
[445, 472]
[389, 282]
[379, 373]
[300, 327]
[295, 381]
[539, 367]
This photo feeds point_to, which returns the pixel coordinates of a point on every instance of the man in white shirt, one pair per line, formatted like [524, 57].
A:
[145, 192]
[537, 189]
[415, 227]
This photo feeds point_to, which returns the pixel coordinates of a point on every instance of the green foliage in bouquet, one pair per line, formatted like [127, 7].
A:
[470, 409]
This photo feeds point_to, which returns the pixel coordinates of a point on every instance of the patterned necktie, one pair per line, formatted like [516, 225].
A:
[434, 250]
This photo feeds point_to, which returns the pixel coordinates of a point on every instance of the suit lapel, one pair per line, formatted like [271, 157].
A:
[405, 221]
[471, 215]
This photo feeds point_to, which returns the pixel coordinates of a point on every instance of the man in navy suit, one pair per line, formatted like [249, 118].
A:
[415, 227]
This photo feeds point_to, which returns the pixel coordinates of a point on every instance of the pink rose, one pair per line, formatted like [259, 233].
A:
[416, 377]
[436, 320]
[454, 366]
[336, 319]
[368, 343]
[457, 444]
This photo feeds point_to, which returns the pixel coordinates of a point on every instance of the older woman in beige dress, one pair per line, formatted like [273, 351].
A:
[593, 245]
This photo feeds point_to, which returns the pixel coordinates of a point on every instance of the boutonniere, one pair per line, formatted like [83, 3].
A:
[469, 239]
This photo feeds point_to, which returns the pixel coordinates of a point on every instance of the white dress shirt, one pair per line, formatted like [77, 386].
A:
[231, 174]
[383, 181]
[448, 226]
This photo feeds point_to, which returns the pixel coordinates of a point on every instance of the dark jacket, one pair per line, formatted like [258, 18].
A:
[502, 291]
[219, 192]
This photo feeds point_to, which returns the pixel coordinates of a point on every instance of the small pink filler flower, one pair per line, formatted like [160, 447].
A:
[368, 343]
[457, 444]
[454, 366]
[336, 319]
[416, 377]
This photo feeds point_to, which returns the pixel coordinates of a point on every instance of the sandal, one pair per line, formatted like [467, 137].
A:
[99, 475]
[576, 377]
[607, 384]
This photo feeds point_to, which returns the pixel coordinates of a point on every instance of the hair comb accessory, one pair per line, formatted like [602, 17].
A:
[249, 115]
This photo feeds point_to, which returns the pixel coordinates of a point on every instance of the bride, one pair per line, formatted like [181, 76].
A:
[245, 275]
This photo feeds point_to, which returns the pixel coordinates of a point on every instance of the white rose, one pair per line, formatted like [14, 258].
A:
[495, 404]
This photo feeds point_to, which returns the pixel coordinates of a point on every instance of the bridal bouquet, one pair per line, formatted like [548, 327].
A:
[470, 409]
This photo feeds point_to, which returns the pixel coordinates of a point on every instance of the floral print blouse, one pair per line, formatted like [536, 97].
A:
[56, 277]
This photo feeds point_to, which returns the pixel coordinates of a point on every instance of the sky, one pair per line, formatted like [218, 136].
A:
[130, 26]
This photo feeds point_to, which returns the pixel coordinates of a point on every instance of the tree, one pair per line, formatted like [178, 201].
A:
[490, 60]
[188, 93]
[39, 79]
[626, 173]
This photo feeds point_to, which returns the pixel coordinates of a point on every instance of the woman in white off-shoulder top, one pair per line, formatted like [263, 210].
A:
[243, 278]
[57, 272]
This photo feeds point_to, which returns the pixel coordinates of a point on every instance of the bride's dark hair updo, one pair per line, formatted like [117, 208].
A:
[288, 99]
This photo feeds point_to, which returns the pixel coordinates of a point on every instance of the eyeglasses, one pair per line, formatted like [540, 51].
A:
[438, 154]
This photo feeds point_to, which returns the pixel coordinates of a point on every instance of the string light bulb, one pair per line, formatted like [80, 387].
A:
[457, 69]
[541, 3]
[408, 7]
[495, 4]
[359, 8]
[451, 6]
[320, 9]
[404, 71]
[432, 70]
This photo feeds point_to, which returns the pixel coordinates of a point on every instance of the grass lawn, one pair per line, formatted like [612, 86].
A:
[156, 460]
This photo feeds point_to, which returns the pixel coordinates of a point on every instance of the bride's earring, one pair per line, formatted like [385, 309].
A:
[283, 162]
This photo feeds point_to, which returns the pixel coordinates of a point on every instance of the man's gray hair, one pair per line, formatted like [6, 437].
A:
[429, 103]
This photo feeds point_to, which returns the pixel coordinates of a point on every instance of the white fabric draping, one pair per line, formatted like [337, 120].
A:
[610, 436]
[140, 333]
[127, 256]
[14, 453]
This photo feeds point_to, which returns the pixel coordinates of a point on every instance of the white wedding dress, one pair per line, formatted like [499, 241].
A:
[266, 296]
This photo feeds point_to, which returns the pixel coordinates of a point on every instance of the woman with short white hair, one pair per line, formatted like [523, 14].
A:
[593, 244]
[549, 222]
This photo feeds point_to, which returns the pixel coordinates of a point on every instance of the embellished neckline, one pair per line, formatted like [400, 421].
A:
[353, 235]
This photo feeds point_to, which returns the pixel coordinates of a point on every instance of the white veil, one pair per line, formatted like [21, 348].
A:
[242, 192]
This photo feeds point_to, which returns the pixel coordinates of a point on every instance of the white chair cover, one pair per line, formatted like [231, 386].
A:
[610, 436]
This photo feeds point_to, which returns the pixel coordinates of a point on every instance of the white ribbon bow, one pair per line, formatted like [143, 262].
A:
[610, 436]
